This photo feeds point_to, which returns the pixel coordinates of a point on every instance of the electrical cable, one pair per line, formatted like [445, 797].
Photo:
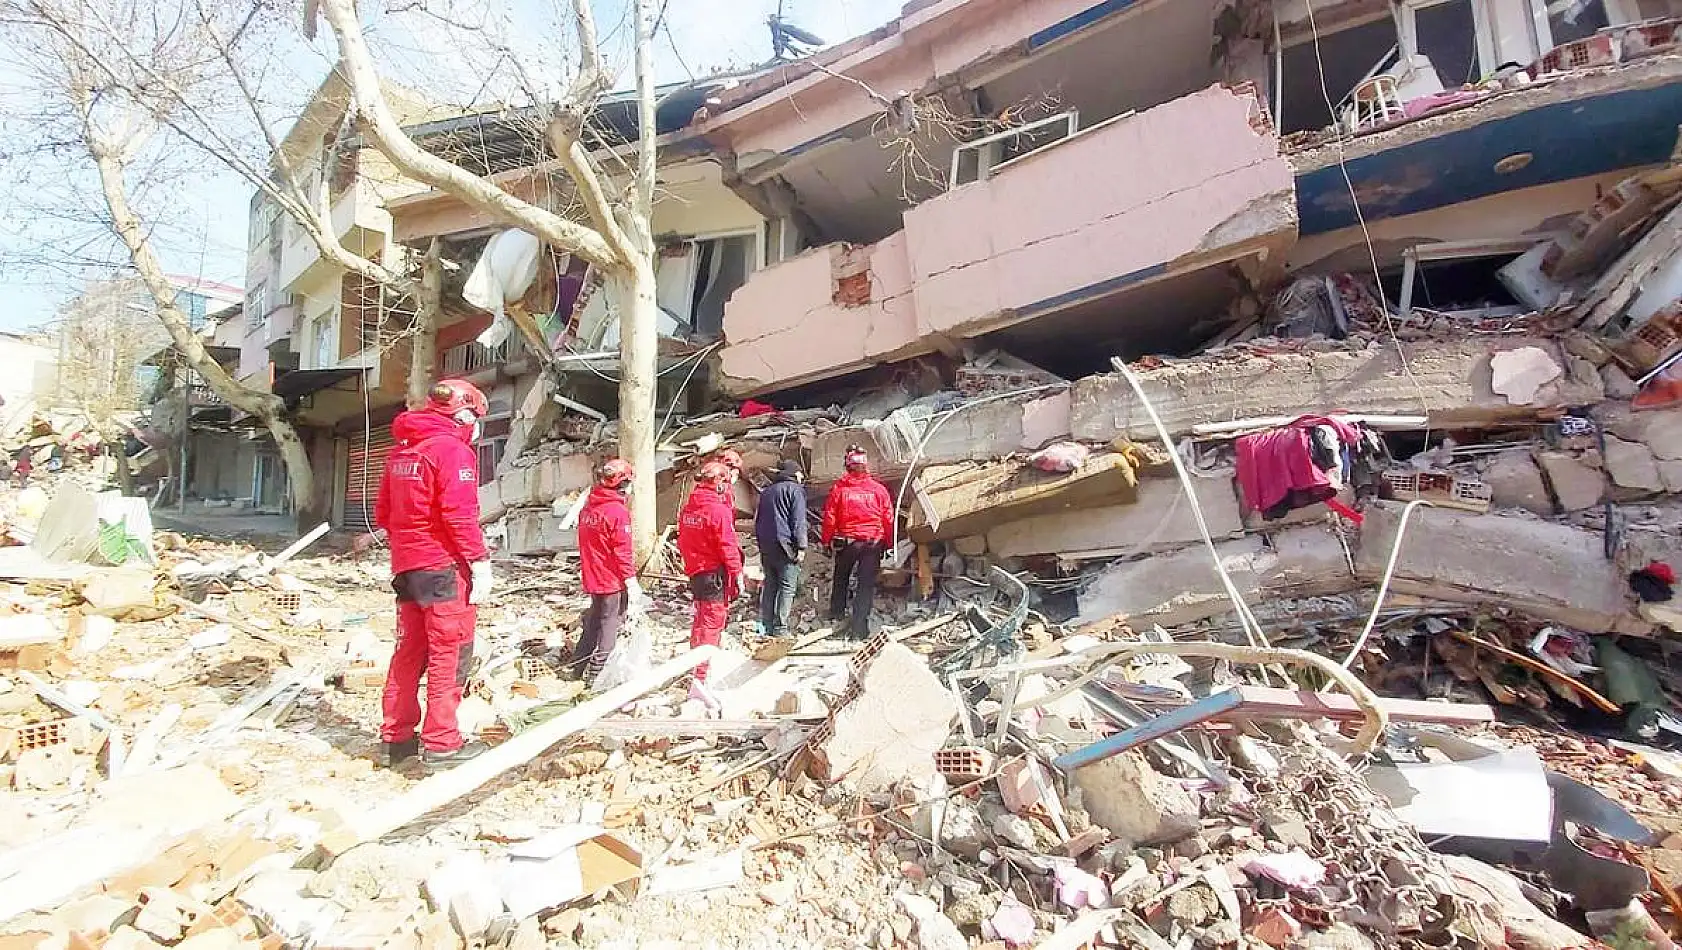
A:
[1252, 627]
[916, 456]
[1360, 216]
[1384, 584]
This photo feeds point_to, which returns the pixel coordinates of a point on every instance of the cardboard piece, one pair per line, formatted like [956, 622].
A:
[565, 865]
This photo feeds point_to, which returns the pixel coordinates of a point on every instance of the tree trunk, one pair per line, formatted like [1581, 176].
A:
[125, 476]
[424, 360]
[638, 354]
[266, 407]
[308, 509]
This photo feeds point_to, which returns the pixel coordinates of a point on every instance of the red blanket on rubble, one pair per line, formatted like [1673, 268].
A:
[1275, 463]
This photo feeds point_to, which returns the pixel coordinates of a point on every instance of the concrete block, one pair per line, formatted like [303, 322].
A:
[1617, 382]
[1161, 519]
[888, 733]
[1183, 587]
[1576, 484]
[1450, 382]
[1135, 803]
[1671, 473]
[1548, 571]
[1631, 465]
[518, 487]
[559, 475]
[1660, 430]
[972, 546]
[538, 531]
[1516, 482]
[490, 500]
[829, 448]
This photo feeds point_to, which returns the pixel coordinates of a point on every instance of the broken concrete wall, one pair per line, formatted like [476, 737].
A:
[1183, 587]
[954, 501]
[1161, 519]
[1449, 381]
[985, 432]
[1207, 186]
[1545, 570]
[1008, 246]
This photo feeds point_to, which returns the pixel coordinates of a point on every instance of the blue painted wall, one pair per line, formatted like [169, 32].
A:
[1569, 140]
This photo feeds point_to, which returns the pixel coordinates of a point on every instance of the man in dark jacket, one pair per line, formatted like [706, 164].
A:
[858, 519]
[779, 524]
[428, 507]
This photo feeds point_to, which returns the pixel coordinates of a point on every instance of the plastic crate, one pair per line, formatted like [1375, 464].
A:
[1438, 488]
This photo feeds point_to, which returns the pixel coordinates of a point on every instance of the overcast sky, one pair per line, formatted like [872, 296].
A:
[208, 226]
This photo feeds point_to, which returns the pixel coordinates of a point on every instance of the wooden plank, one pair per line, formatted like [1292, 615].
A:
[439, 790]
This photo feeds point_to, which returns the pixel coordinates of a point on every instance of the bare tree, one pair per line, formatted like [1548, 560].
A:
[103, 339]
[133, 82]
[617, 235]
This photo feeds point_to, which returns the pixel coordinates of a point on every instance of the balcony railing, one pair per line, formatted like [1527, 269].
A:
[470, 358]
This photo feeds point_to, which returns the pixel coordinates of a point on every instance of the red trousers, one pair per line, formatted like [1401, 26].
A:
[708, 628]
[435, 637]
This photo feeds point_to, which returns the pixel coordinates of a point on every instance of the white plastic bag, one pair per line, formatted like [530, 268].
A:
[632, 656]
[1060, 457]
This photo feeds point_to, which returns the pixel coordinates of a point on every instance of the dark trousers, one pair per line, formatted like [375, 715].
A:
[601, 631]
[861, 559]
[776, 598]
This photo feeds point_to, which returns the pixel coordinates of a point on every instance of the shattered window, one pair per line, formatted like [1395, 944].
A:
[1447, 34]
[1348, 56]
[1571, 20]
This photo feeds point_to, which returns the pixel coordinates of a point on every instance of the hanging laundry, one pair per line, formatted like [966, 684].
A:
[1296, 465]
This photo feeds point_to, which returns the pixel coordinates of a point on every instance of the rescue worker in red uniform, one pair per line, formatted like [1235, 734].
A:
[428, 507]
[858, 519]
[712, 555]
[605, 559]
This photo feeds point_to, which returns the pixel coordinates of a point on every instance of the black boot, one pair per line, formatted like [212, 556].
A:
[396, 753]
[439, 761]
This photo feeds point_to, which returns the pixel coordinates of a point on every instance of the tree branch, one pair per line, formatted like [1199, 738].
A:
[357, 66]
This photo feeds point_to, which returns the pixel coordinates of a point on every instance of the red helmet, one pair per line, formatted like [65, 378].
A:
[451, 396]
[714, 473]
[729, 457]
[856, 459]
[613, 472]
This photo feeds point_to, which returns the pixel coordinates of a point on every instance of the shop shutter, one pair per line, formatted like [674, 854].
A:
[362, 478]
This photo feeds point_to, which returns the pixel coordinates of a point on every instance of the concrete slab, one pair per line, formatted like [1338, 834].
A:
[969, 498]
[1447, 380]
[1182, 587]
[1576, 484]
[1161, 519]
[1548, 571]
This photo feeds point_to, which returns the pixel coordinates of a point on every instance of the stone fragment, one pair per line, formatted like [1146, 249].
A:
[974, 545]
[1136, 803]
[1617, 382]
[1515, 482]
[1632, 465]
[1014, 830]
[1576, 485]
[890, 730]
[1670, 472]
[45, 768]
[935, 931]
[1519, 374]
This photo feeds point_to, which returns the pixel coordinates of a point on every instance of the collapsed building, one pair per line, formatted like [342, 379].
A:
[933, 239]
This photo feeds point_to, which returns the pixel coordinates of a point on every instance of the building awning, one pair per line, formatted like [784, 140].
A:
[298, 383]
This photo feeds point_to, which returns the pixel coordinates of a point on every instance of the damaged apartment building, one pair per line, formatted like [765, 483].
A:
[1450, 221]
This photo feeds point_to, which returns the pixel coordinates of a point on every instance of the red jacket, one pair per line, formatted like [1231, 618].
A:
[859, 509]
[429, 495]
[706, 533]
[604, 542]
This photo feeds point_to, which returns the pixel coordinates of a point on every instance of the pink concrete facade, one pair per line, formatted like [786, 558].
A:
[795, 105]
[1188, 184]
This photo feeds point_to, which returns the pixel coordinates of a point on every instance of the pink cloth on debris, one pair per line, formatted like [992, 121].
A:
[1274, 463]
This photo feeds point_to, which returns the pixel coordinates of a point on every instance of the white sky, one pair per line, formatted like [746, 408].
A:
[209, 218]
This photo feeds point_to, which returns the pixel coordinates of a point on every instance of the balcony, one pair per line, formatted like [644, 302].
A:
[359, 220]
[1115, 238]
[474, 362]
